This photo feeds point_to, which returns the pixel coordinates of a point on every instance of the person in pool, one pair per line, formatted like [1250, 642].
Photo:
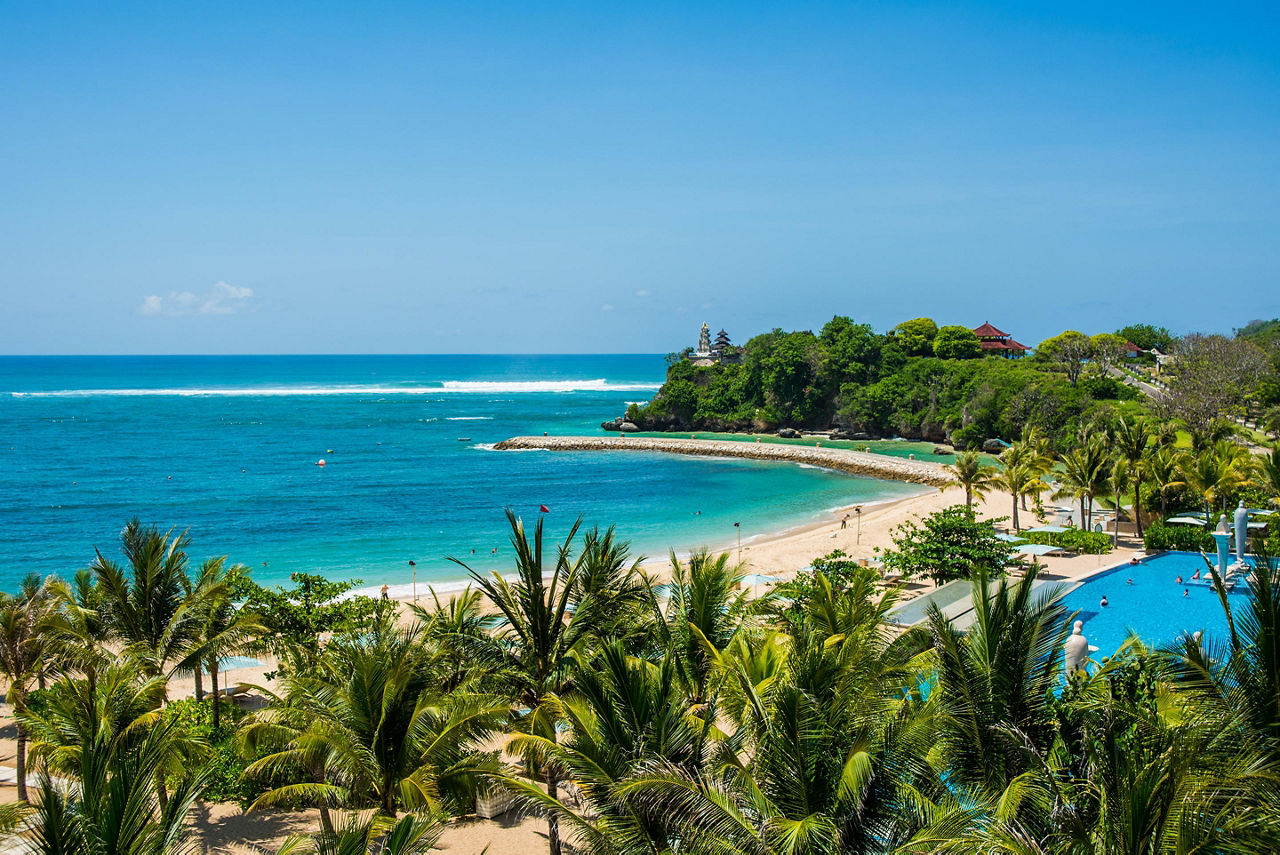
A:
[1104, 602]
[1178, 581]
[1195, 575]
[1186, 591]
[1129, 581]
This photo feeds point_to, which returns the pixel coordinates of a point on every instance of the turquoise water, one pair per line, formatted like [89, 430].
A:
[1154, 606]
[227, 446]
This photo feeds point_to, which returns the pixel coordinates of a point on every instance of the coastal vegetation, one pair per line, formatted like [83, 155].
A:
[642, 718]
[922, 381]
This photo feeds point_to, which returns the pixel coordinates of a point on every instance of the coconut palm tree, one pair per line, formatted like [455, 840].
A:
[376, 724]
[1131, 438]
[625, 716]
[106, 739]
[995, 682]
[1086, 471]
[1164, 469]
[825, 755]
[1018, 479]
[145, 607]
[22, 656]
[540, 634]
[369, 833]
[972, 474]
[1216, 472]
[705, 609]
[217, 628]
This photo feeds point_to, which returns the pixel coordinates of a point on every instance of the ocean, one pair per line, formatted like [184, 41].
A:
[226, 448]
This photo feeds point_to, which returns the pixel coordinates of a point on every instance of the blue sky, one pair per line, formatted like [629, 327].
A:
[471, 177]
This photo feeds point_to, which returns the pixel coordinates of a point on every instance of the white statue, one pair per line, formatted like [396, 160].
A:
[1076, 649]
[1242, 531]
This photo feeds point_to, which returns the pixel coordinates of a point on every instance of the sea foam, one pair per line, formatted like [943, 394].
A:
[446, 387]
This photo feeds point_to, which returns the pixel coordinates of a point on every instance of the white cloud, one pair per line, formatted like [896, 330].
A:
[642, 293]
[607, 307]
[221, 299]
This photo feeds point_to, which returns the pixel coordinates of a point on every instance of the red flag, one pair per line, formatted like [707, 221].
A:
[544, 509]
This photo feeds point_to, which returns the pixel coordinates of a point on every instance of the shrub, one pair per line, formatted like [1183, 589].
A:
[217, 750]
[1074, 540]
[948, 544]
[1160, 537]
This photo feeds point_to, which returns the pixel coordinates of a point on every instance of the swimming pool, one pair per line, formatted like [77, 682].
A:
[1153, 606]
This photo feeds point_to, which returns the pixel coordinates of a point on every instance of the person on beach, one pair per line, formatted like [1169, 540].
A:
[384, 592]
[844, 522]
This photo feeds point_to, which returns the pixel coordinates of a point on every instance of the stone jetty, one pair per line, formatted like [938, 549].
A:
[839, 459]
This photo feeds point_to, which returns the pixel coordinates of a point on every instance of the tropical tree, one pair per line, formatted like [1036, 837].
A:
[217, 628]
[1131, 438]
[376, 725]
[705, 609]
[1018, 480]
[824, 755]
[22, 655]
[145, 606]
[626, 716]
[369, 833]
[973, 475]
[1216, 472]
[1085, 475]
[995, 682]
[539, 635]
[1164, 469]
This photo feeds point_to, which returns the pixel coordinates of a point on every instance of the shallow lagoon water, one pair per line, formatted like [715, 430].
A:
[227, 446]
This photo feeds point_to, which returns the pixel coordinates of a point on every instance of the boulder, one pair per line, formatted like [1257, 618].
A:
[943, 449]
[789, 433]
[610, 426]
[994, 446]
[628, 427]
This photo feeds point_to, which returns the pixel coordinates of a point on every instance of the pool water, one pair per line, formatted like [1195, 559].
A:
[1154, 606]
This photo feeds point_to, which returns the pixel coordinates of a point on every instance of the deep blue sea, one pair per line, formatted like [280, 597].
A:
[226, 447]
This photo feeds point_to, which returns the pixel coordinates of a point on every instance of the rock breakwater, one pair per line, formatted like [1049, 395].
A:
[839, 459]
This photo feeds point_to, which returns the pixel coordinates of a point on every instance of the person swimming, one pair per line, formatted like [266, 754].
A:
[1104, 602]
[1128, 581]
[1178, 581]
[1186, 591]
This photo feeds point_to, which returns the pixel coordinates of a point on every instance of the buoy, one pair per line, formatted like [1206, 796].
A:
[328, 451]
[320, 462]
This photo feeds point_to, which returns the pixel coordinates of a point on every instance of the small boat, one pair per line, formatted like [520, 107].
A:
[464, 439]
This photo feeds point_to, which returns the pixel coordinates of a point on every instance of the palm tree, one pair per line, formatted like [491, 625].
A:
[107, 739]
[369, 834]
[1131, 439]
[22, 655]
[825, 755]
[376, 725]
[146, 607]
[217, 628]
[625, 716]
[1018, 479]
[1164, 469]
[539, 633]
[995, 682]
[1086, 470]
[705, 610]
[1120, 475]
[1216, 472]
[972, 474]
[1268, 467]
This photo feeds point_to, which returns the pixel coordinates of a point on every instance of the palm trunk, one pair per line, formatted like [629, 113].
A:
[968, 497]
[1015, 511]
[199, 683]
[1137, 512]
[22, 763]
[553, 821]
[213, 682]
[1115, 528]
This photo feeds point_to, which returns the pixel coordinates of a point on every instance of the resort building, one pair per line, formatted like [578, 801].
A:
[997, 343]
